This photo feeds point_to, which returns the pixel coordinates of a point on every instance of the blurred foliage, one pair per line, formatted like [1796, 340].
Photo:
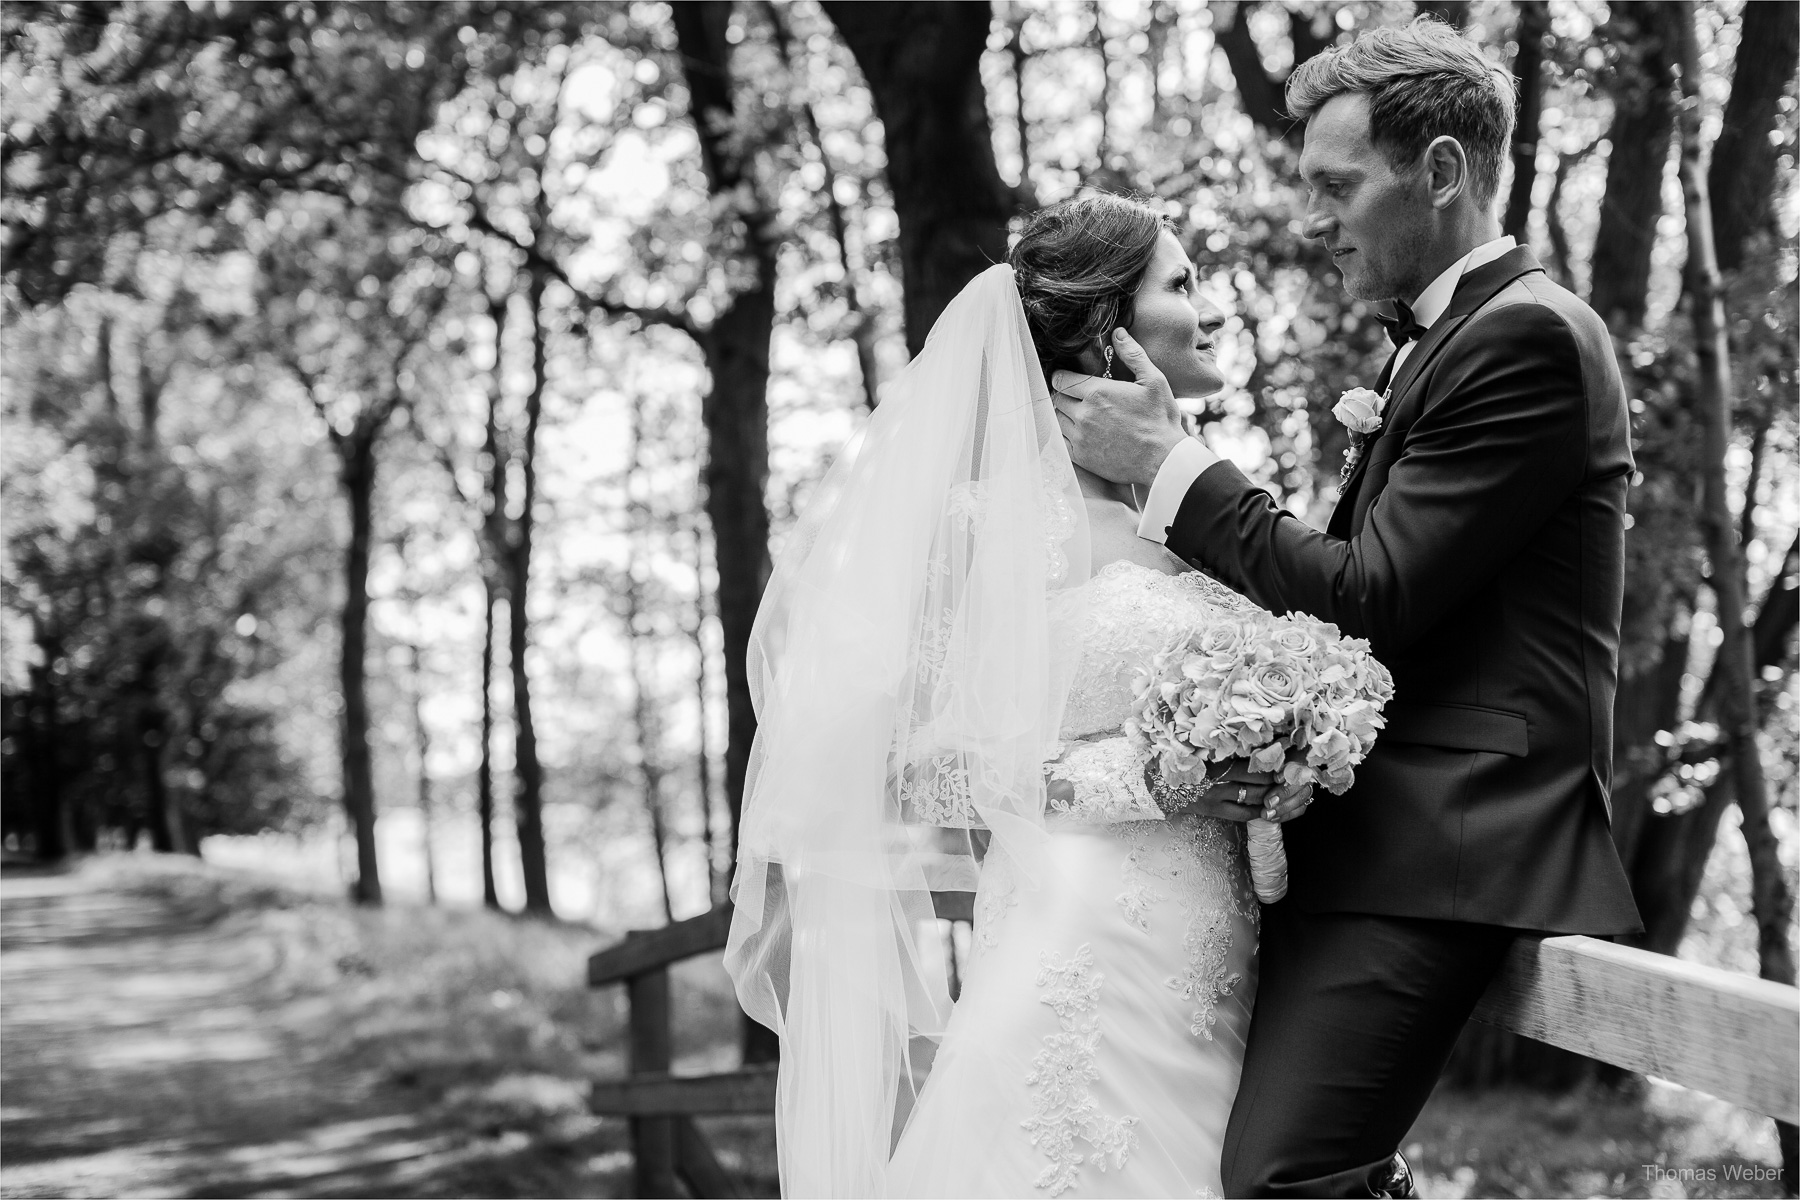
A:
[163, 556]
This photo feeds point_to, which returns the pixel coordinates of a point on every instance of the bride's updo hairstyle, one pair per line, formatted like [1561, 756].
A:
[1078, 264]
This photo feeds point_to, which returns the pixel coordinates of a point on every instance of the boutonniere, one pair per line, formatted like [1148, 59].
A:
[1359, 411]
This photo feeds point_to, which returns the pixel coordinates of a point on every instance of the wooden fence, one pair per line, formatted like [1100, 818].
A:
[1735, 1037]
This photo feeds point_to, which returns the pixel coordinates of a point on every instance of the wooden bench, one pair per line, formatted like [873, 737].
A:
[1732, 1036]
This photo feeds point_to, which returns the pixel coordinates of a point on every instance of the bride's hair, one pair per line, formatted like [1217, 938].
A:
[1078, 263]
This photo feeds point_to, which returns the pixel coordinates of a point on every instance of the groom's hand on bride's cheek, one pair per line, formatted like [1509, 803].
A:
[1119, 431]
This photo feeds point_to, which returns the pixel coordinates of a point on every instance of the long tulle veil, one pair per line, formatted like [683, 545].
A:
[909, 666]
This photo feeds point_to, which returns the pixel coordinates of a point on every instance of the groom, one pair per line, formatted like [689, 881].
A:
[1479, 545]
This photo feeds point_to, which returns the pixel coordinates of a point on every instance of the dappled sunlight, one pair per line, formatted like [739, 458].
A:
[194, 1059]
[404, 407]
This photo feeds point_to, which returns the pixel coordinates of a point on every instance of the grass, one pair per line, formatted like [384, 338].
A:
[1650, 1139]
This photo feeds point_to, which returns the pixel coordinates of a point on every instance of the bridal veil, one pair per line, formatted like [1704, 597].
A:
[909, 667]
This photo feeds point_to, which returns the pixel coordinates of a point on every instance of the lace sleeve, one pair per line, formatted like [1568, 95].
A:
[1108, 779]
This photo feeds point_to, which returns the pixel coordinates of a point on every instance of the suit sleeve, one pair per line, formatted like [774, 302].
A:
[1500, 445]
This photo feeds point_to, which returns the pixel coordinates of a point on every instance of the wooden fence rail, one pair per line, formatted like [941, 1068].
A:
[1732, 1036]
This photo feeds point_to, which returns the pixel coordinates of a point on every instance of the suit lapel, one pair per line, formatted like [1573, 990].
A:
[1475, 289]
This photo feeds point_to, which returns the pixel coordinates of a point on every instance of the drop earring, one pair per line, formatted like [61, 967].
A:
[1108, 352]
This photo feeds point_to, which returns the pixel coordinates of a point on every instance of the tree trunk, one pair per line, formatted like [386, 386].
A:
[1672, 849]
[1741, 178]
[1779, 614]
[922, 62]
[529, 802]
[493, 555]
[718, 875]
[1666, 854]
[1671, 862]
[653, 800]
[484, 770]
[1560, 254]
[1771, 900]
[648, 736]
[1643, 121]
[422, 736]
[151, 548]
[1260, 94]
[1648, 702]
[735, 409]
[51, 829]
[1103, 152]
[357, 470]
[168, 832]
[1528, 73]
[643, 703]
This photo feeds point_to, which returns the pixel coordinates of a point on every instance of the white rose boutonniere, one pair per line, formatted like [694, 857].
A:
[1359, 410]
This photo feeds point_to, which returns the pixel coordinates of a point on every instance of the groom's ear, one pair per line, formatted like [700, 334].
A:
[1446, 166]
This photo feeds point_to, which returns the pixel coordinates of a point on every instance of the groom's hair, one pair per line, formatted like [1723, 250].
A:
[1424, 80]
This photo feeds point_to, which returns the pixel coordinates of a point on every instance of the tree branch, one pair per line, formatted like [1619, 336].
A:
[1261, 94]
[536, 259]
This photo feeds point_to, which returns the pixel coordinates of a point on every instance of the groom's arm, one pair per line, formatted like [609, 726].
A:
[1480, 471]
[1186, 463]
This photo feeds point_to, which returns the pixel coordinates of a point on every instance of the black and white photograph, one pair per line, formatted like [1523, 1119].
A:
[1038, 599]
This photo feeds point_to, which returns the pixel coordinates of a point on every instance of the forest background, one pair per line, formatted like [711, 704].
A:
[402, 402]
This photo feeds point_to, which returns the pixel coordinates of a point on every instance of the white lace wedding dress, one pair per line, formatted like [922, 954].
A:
[1097, 1044]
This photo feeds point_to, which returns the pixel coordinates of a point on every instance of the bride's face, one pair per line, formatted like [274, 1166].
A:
[1174, 324]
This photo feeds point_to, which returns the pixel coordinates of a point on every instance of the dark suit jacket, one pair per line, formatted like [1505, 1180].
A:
[1479, 546]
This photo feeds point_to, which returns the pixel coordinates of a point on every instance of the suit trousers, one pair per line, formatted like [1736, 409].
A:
[1355, 1016]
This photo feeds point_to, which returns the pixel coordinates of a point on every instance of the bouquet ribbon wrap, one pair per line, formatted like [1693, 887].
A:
[1268, 860]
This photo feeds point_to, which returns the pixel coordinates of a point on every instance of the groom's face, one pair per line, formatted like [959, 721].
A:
[1374, 221]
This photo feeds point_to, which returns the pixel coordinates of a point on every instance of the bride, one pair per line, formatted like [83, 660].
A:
[942, 666]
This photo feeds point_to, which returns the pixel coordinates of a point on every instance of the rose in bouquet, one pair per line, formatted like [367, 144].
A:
[1291, 696]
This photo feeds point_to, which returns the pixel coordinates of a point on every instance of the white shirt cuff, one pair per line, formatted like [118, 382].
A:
[1173, 479]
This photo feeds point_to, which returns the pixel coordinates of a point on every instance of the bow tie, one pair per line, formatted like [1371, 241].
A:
[1403, 328]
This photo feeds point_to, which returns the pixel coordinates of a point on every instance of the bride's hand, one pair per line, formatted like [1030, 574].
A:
[1236, 794]
[1239, 793]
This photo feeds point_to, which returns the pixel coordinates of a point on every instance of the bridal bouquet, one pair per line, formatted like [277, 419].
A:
[1291, 695]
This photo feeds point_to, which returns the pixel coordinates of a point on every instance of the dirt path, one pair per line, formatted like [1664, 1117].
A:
[146, 1051]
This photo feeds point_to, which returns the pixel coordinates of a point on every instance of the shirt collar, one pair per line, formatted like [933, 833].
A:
[1435, 299]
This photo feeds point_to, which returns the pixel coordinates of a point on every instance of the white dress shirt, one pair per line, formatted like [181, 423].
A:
[1190, 458]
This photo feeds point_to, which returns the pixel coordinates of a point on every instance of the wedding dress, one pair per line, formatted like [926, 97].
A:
[929, 641]
[1096, 1047]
